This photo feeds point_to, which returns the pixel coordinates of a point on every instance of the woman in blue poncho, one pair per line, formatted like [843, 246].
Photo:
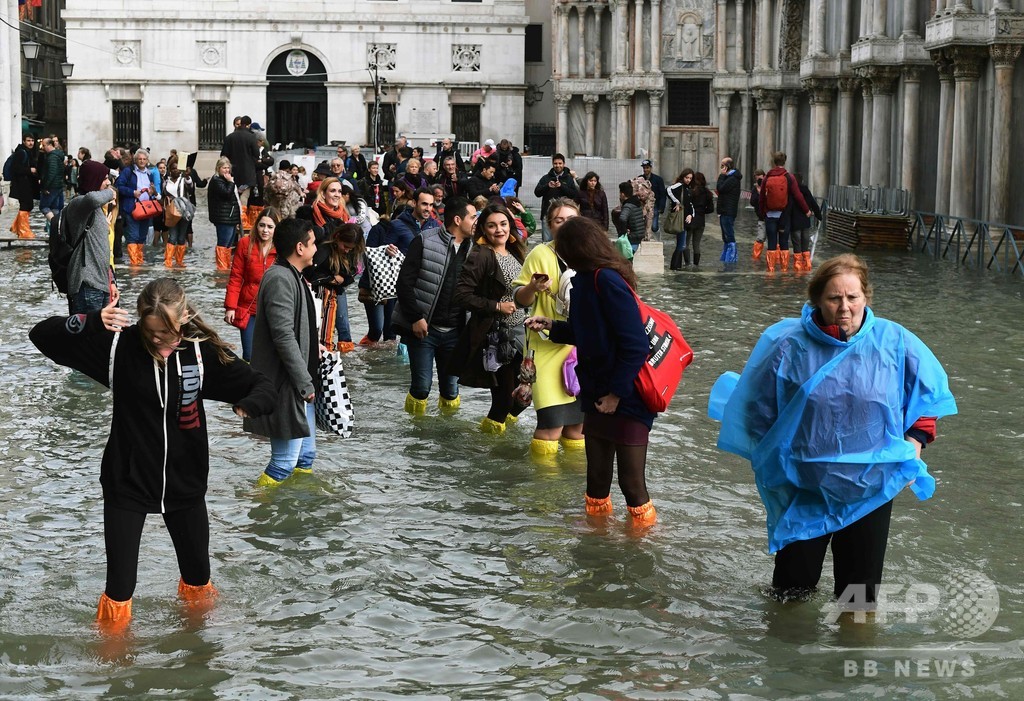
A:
[832, 410]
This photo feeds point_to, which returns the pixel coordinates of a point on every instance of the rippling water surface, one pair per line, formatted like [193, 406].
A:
[424, 559]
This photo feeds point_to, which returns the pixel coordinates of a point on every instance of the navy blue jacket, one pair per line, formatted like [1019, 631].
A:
[611, 344]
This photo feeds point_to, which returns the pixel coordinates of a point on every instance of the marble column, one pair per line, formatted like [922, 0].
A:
[821, 121]
[1004, 56]
[962, 7]
[767, 123]
[638, 36]
[865, 19]
[966, 70]
[581, 23]
[590, 107]
[911, 127]
[739, 66]
[720, 42]
[613, 137]
[910, 19]
[878, 18]
[723, 99]
[654, 97]
[764, 34]
[562, 101]
[598, 12]
[883, 81]
[847, 89]
[622, 99]
[816, 45]
[791, 102]
[845, 42]
[563, 48]
[744, 135]
[866, 131]
[944, 157]
[620, 38]
[655, 35]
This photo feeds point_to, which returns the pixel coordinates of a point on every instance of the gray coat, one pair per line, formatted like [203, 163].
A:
[90, 262]
[280, 351]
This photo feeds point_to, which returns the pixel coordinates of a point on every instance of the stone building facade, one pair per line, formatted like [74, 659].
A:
[917, 94]
[173, 75]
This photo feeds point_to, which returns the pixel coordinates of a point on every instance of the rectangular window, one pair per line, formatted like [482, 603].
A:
[534, 43]
[466, 122]
[213, 125]
[386, 129]
[689, 102]
[127, 123]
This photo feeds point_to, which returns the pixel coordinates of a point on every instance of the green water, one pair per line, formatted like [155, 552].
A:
[426, 560]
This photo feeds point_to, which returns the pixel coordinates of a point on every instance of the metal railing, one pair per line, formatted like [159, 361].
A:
[870, 199]
[969, 242]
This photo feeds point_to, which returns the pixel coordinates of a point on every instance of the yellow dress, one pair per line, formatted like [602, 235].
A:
[549, 389]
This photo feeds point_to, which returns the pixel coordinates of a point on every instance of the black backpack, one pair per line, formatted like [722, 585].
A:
[62, 247]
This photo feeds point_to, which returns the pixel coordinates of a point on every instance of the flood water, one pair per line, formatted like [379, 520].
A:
[424, 559]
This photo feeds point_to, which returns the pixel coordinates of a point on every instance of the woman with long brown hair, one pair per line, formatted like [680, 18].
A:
[253, 255]
[611, 344]
[593, 200]
[485, 290]
[334, 268]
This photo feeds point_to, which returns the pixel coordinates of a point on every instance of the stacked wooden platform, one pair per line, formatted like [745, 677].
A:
[868, 230]
[9, 241]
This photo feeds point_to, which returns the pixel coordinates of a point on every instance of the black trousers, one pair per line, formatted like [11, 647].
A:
[122, 533]
[858, 553]
[501, 396]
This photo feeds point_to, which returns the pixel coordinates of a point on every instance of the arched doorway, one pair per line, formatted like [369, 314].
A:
[297, 98]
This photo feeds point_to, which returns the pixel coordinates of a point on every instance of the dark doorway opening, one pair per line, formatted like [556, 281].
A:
[297, 104]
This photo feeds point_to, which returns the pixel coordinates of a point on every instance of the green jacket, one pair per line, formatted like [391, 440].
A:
[53, 177]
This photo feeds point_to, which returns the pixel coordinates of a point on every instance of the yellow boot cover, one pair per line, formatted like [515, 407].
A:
[414, 406]
[511, 419]
[303, 470]
[598, 507]
[542, 448]
[491, 426]
[449, 406]
[266, 480]
[112, 616]
[643, 515]
[573, 443]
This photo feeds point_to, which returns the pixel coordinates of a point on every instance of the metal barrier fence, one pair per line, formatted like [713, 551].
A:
[969, 242]
[860, 199]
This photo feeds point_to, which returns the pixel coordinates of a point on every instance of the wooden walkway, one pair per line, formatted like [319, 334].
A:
[14, 241]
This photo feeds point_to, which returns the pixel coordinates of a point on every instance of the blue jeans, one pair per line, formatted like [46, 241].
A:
[178, 234]
[657, 219]
[777, 236]
[341, 318]
[225, 235]
[87, 299]
[288, 453]
[728, 224]
[52, 201]
[424, 353]
[379, 318]
[136, 231]
[246, 335]
[680, 241]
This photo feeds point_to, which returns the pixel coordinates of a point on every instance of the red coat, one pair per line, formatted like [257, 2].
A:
[247, 270]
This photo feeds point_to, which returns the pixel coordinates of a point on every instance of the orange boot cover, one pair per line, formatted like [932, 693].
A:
[197, 598]
[223, 258]
[252, 214]
[598, 507]
[136, 253]
[785, 259]
[772, 257]
[179, 255]
[112, 616]
[168, 256]
[806, 256]
[643, 515]
[24, 227]
[758, 249]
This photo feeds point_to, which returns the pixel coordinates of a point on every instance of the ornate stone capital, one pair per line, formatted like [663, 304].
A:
[655, 96]
[848, 86]
[622, 98]
[943, 64]
[883, 79]
[766, 99]
[591, 100]
[912, 74]
[562, 100]
[723, 99]
[1004, 55]
[819, 91]
[967, 62]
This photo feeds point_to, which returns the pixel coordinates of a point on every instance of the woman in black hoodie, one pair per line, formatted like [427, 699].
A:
[157, 456]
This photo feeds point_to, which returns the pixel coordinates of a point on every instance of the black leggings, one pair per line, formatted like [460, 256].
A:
[122, 534]
[601, 456]
[501, 395]
[858, 553]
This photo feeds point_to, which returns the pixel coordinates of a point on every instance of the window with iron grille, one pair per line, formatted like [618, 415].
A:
[466, 122]
[127, 123]
[213, 121]
[386, 129]
[689, 102]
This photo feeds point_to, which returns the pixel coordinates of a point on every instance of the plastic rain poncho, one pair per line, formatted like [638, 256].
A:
[822, 421]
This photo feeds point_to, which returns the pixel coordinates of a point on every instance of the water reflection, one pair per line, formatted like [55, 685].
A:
[425, 559]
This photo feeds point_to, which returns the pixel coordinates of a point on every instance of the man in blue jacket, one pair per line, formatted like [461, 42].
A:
[138, 183]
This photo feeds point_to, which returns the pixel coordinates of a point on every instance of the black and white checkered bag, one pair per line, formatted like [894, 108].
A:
[383, 271]
[333, 404]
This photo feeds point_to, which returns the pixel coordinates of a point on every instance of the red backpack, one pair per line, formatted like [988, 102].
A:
[668, 356]
[776, 192]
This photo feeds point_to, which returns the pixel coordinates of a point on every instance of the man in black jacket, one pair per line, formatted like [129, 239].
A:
[429, 322]
[242, 148]
[728, 187]
[484, 183]
[559, 182]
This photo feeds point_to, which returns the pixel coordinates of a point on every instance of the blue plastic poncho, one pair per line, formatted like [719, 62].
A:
[822, 421]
